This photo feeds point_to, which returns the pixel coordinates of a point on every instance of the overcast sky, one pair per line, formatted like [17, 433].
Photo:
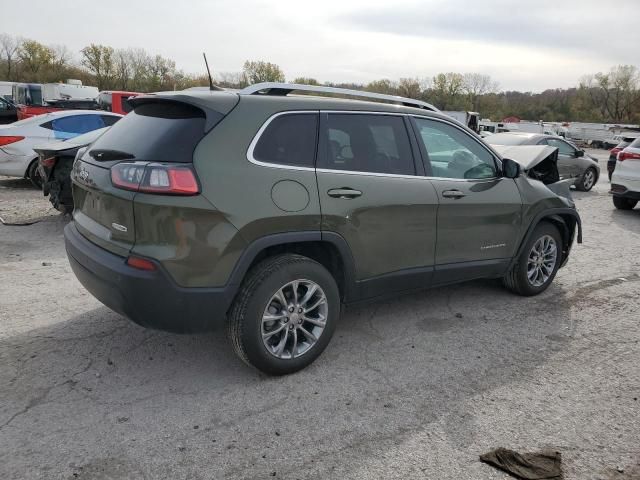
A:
[524, 45]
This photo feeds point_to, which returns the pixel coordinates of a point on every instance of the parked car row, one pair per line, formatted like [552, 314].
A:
[625, 180]
[572, 161]
[18, 140]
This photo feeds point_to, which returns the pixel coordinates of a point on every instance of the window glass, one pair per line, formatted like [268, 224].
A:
[68, 127]
[289, 140]
[368, 143]
[563, 147]
[104, 100]
[109, 120]
[453, 153]
[125, 105]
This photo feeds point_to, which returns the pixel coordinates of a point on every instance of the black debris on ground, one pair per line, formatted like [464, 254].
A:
[545, 465]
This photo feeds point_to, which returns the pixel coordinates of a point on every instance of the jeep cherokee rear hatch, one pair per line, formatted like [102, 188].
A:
[150, 150]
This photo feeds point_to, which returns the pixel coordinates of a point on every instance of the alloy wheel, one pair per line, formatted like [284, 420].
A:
[542, 260]
[294, 319]
[589, 179]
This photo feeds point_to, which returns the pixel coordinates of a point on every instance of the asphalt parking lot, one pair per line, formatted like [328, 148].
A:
[414, 387]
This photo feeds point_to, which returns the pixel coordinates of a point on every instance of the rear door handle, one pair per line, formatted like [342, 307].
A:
[453, 194]
[344, 192]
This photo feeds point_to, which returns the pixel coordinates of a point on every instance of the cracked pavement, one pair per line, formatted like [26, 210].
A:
[414, 387]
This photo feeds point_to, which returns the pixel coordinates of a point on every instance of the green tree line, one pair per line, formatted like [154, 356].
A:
[612, 96]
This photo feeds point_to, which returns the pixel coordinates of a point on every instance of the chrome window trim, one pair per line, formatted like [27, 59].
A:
[281, 166]
[258, 135]
[496, 158]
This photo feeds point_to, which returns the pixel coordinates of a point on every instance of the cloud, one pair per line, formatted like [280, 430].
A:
[577, 27]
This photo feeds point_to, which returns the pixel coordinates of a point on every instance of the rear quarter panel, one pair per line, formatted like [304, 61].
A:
[241, 190]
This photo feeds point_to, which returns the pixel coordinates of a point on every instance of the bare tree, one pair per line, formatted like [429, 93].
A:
[411, 87]
[9, 46]
[98, 59]
[476, 85]
[62, 58]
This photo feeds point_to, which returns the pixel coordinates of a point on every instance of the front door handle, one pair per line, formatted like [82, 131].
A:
[453, 194]
[344, 192]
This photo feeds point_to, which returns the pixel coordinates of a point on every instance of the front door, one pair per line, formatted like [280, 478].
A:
[567, 164]
[371, 195]
[480, 212]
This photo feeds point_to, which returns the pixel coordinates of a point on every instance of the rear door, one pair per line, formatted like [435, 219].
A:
[480, 212]
[372, 194]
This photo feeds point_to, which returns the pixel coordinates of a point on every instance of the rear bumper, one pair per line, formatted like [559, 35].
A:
[150, 299]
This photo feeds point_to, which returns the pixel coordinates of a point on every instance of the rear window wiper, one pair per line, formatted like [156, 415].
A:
[104, 155]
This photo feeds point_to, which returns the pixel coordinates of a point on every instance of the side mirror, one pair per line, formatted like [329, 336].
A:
[579, 153]
[510, 168]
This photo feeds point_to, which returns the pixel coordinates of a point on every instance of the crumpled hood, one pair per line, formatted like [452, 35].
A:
[527, 156]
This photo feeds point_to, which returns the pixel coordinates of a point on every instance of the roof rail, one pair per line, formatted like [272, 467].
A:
[283, 89]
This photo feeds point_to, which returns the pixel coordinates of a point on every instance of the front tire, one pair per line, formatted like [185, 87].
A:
[284, 314]
[587, 180]
[622, 203]
[537, 265]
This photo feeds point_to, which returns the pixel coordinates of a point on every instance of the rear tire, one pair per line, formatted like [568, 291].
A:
[33, 174]
[622, 203]
[279, 339]
[60, 193]
[587, 180]
[533, 272]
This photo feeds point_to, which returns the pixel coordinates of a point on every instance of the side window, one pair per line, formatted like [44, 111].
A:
[125, 105]
[74, 125]
[453, 153]
[542, 142]
[563, 147]
[109, 120]
[104, 100]
[289, 139]
[367, 143]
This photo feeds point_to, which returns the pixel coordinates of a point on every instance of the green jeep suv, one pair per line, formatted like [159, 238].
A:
[265, 212]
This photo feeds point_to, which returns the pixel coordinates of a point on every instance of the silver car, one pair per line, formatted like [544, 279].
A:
[572, 162]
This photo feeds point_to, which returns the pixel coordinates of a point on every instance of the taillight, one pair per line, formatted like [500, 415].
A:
[167, 179]
[624, 155]
[8, 139]
[615, 151]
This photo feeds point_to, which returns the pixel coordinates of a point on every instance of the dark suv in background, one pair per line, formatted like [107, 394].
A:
[267, 211]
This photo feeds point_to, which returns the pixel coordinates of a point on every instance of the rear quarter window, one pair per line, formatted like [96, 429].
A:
[289, 139]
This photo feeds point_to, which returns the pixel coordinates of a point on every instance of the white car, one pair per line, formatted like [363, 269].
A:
[625, 181]
[17, 158]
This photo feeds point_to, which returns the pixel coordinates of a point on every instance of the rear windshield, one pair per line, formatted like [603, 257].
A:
[161, 132]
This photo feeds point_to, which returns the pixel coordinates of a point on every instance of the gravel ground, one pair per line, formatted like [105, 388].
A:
[415, 387]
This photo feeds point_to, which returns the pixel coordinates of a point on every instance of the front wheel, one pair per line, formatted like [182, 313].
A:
[537, 265]
[587, 180]
[622, 203]
[284, 315]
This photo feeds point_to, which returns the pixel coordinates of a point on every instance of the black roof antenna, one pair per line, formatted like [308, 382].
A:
[211, 85]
